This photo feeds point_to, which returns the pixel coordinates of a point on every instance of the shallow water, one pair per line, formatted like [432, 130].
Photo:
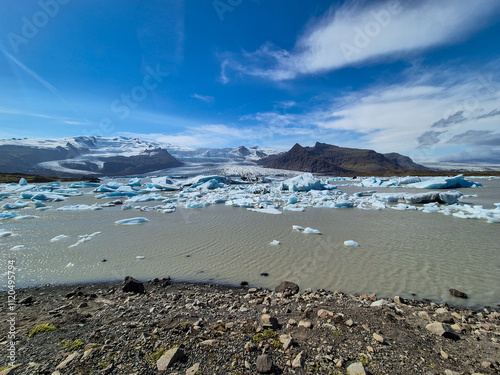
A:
[401, 252]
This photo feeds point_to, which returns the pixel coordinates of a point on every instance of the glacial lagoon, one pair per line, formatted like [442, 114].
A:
[417, 251]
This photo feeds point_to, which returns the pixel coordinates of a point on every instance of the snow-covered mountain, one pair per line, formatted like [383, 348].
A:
[98, 156]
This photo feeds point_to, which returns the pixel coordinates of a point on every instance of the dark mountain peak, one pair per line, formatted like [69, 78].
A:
[331, 159]
[244, 151]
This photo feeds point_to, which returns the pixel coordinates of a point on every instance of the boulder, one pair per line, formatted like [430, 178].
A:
[264, 364]
[131, 285]
[287, 286]
[458, 294]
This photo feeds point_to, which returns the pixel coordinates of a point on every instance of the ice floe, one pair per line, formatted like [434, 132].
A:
[5, 233]
[351, 243]
[84, 238]
[303, 182]
[15, 206]
[274, 243]
[444, 183]
[132, 221]
[59, 238]
[268, 210]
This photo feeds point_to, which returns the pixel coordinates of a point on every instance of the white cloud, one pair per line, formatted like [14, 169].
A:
[203, 98]
[354, 35]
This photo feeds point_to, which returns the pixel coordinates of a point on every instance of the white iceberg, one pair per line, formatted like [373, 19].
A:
[8, 215]
[23, 182]
[274, 243]
[132, 221]
[59, 238]
[376, 181]
[351, 243]
[15, 206]
[195, 203]
[134, 182]
[267, 210]
[241, 202]
[145, 198]
[4, 233]
[80, 207]
[445, 183]
[25, 217]
[303, 182]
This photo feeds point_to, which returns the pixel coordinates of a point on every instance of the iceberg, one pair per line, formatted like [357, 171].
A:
[241, 202]
[376, 181]
[309, 230]
[39, 204]
[294, 208]
[59, 238]
[445, 183]
[84, 238]
[389, 197]
[4, 233]
[132, 221]
[82, 185]
[268, 210]
[298, 228]
[194, 203]
[136, 181]
[127, 206]
[210, 185]
[303, 182]
[15, 206]
[449, 197]
[23, 182]
[274, 243]
[24, 217]
[8, 215]
[351, 243]
[48, 197]
[80, 207]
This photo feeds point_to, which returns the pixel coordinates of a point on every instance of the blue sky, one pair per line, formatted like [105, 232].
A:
[417, 77]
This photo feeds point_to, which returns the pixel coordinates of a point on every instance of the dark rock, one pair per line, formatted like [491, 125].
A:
[265, 274]
[244, 283]
[27, 301]
[166, 281]
[287, 286]
[104, 260]
[264, 364]
[458, 294]
[132, 285]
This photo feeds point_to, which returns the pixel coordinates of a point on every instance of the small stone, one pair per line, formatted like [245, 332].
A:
[68, 359]
[286, 340]
[287, 286]
[305, 323]
[27, 301]
[458, 294]
[268, 321]
[440, 329]
[486, 364]
[264, 364]
[169, 358]
[298, 360]
[292, 322]
[250, 346]
[356, 368]
[450, 372]
[248, 366]
[349, 323]
[444, 355]
[424, 315]
[193, 369]
[378, 337]
[323, 314]
[208, 343]
[399, 300]
[370, 349]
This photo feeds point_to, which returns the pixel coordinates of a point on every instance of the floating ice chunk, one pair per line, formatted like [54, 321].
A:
[268, 210]
[409, 180]
[84, 238]
[146, 198]
[403, 207]
[298, 228]
[25, 217]
[4, 233]
[292, 199]
[136, 181]
[445, 183]
[492, 220]
[39, 204]
[82, 185]
[17, 247]
[210, 185]
[23, 182]
[294, 208]
[380, 302]
[449, 197]
[127, 206]
[15, 206]
[117, 194]
[48, 197]
[70, 265]
[303, 182]
[365, 193]
[132, 221]
[274, 243]
[8, 215]
[376, 181]
[161, 187]
[80, 207]
[351, 243]
[389, 197]
[309, 230]
[139, 257]
[241, 202]
[194, 203]
[59, 238]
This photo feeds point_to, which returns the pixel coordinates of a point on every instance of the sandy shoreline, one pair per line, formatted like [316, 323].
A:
[99, 328]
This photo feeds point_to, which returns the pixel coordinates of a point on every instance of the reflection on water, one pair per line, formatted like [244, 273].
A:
[400, 252]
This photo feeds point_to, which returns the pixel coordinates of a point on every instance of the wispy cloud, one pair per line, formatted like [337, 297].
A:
[356, 34]
[203, 98]
[59, 119]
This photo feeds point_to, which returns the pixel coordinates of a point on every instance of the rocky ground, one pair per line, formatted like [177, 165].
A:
[159, 327]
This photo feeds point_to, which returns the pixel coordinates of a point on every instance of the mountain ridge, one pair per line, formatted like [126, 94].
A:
[326, 158]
